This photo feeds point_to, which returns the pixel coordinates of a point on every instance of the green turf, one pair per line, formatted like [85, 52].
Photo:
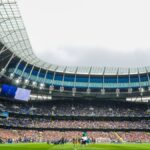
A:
[77, 147]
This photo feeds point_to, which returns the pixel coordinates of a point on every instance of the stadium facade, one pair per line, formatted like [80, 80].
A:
[19, 64]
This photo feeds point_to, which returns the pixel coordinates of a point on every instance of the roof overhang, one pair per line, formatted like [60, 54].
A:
[14, 36]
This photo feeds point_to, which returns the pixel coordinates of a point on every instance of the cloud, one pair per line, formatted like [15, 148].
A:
[95, 57]
[89, 32]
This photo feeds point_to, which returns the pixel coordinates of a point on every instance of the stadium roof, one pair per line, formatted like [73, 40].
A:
[14, 36]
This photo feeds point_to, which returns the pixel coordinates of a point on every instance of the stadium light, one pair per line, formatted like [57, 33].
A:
[73, 91]
[103, 91]
[138, 99]
[50, 97]
[18, 81]
[61, 89]
[130, 90]
[3, 71]
[40, 97]
[11, 76]
[51, 88]
[88, 91]
[34, 83]
[141, 90]
[26, 81]
[117, 92]
[42, 86]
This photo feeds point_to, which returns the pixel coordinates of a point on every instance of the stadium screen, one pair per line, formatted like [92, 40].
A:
[15, 92]
[4, 114]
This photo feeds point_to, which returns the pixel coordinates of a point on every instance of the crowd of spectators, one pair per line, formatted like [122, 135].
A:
[44, 136]
[72, 108]
[81, 124]
[76, 109]
[135, 136]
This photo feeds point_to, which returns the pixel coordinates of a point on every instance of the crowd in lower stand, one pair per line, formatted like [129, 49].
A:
[81, 124]
[46, 115]
[16, 136]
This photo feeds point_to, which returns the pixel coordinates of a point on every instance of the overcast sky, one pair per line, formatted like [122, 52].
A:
[89, 32]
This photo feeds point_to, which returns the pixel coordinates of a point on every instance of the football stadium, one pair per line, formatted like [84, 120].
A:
[49, 107]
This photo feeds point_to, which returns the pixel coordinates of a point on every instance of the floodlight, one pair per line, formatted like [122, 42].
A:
[11, 76]
[26, 81]
[3, 71]
[103, 91]
[34, 83]
[88, 91]
[117, 92]
[130, 90]
[42, 85]
[73, 91]
[141, 90]
[18, 81]
[61, 89]
[51, 88]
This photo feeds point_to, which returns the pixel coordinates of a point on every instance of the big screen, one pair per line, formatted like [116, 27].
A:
[4, 114]
[15, 92]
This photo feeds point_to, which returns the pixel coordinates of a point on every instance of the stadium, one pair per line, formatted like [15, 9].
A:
[43, 106]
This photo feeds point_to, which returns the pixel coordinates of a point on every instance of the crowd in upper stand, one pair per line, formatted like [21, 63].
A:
[76, 109]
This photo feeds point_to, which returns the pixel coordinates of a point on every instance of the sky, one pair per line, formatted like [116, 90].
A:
[89, 32]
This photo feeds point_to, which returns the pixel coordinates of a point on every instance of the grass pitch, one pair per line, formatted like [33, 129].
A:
[77, 147]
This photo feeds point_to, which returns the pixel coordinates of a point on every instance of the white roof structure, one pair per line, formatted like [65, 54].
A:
[14, 36]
